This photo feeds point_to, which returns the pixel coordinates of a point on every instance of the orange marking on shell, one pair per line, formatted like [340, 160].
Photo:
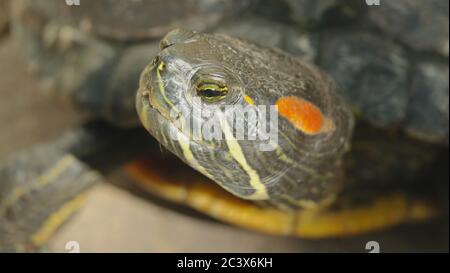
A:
[304, 115]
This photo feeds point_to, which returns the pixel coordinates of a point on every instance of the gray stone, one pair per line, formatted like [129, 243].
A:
[423, 25]
[145, 19]
[258, 30]
[428, 111]
[303, 45]
[307, 12]
[371, 74]
[274, 10]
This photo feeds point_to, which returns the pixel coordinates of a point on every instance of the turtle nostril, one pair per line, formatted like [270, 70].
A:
[155, 61]
[146, 95]
[165, 44]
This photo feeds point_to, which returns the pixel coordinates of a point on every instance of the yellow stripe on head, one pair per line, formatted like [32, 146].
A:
[162, 89]
[236, 152]
[249, 100]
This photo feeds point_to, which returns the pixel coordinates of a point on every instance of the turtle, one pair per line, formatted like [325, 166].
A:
[317, 181]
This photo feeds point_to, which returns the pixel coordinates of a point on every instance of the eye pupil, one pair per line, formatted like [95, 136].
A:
[212, 91]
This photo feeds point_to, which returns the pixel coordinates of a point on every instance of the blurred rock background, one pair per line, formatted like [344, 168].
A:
[398, 50]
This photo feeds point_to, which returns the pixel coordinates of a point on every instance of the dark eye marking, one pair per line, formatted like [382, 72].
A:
[212, 91]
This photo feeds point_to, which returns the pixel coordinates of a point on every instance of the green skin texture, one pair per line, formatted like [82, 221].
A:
[302, 170]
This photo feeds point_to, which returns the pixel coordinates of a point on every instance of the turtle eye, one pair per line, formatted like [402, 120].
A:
[212, 91]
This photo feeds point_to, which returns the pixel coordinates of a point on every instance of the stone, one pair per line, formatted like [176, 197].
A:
[302, 44]
[371, 74]
[428, 109]
[313, 12]
[423, 25]
[258, 30]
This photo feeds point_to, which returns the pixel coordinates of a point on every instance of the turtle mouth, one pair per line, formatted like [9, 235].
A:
[155, 118]
[148, 100]
[150, 94]
[153, 114]
[150, 110]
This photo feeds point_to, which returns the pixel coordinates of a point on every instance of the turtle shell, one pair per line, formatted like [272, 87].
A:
[83, 54]
[145, 19]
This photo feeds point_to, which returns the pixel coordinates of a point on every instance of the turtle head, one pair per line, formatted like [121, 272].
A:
[215, 102]
[186, 99]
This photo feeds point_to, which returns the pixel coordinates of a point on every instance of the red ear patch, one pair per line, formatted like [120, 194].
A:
[304, 115]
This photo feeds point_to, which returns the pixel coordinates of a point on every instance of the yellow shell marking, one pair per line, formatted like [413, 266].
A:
[204, 196]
